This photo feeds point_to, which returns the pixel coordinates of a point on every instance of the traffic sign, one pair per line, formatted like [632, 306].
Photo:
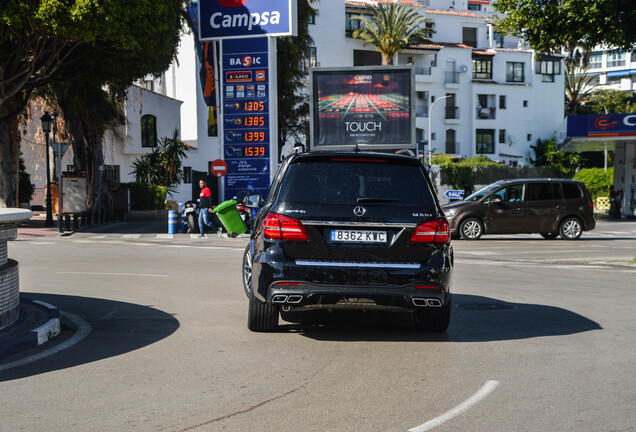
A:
[454, 194]
[59, 147]
[218, 168]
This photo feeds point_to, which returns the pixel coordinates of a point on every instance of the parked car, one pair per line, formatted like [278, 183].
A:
[349, 230]
[550, 207]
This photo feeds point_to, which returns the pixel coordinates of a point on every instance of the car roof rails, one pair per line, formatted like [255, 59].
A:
[298, 148]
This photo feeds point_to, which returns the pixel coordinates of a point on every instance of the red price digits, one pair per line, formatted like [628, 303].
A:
[254, 121]
[254, 151]
[254, 106]
[254, 136]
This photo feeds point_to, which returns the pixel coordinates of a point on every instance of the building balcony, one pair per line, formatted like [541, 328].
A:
[487, 113]
[451, 113]
[451, 77]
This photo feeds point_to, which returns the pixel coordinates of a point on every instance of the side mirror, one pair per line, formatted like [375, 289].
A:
[253, 201]
[496, 199]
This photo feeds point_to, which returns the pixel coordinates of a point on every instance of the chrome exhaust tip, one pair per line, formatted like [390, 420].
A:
[294, 298]
[434, 303]
[421, 302]
[279, 298]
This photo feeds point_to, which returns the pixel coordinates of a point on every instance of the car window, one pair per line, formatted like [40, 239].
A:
[510, 193]
[476, 196]
[543, 191]
[351, 182]
[571, 190]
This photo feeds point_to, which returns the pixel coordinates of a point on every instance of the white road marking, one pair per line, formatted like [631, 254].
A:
[113, 274]
[486, 389]
[83, 330]
[131, 236]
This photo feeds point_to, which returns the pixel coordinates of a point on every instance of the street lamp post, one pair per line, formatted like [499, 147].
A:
[430, 144]
[46, 127]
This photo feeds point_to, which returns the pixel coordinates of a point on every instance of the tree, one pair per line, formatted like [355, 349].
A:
[577, 87]
[609, 102]
[391, 28]
[104, 43]
[163, 166]
[292, 63]
[552, 26]
[547, 154]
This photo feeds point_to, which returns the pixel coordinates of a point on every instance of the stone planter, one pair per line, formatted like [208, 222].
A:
[10, 218]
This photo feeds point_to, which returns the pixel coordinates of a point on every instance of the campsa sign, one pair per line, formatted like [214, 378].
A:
[231, 19]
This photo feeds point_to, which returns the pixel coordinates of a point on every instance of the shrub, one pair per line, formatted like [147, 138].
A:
[462, 174]
[596, 180]
[146, 197]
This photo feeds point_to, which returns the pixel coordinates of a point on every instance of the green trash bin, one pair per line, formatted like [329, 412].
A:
[230, 218]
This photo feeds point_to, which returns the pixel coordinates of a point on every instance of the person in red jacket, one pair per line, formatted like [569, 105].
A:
[205, 203]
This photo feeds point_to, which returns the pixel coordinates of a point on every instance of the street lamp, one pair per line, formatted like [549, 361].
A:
[430, 143]
[46, 120]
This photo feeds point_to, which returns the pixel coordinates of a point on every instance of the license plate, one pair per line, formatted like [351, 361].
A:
[358, 236]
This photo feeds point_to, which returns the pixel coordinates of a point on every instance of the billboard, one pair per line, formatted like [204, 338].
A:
[247, 115]
[371, 107]
[232, 19]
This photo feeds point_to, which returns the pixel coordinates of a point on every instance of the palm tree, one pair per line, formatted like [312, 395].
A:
[577, 87]
[391, 28]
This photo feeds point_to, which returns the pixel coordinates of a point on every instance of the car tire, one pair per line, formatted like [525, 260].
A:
[549, 236]
[571, 229]
[471, 229]
[193, 226]
[247, 271]
[432, 319]
[262, 316]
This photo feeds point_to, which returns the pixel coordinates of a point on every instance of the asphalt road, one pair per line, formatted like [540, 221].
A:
[542, 338]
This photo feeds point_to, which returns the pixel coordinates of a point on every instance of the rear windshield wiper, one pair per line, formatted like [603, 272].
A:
[377, 200]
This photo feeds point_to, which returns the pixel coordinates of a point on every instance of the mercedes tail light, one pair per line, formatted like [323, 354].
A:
[280, 227]
[437, 231]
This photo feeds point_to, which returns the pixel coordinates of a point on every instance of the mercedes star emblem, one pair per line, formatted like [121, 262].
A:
[359, 211]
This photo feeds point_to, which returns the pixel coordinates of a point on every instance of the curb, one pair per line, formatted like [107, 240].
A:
[35, 337]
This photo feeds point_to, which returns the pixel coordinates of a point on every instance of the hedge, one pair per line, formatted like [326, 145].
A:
[597, 180]
[146, 197]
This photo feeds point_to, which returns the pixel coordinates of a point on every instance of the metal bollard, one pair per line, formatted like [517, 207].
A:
[75, 221]
[172, 222]
[67, 222]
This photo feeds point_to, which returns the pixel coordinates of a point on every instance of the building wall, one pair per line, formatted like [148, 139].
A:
[523, 125]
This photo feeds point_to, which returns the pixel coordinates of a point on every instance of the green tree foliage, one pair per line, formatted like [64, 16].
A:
[577, 87]
[292, 61]
[547, 155]
[597, 180]
[81, 44]
[163, 166]
[392, 27]
[609, 102]
[551, 26]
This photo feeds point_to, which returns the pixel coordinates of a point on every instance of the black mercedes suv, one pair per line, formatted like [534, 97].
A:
[349, 230]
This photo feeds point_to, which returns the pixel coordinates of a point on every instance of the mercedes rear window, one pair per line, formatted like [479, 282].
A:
[346, 181]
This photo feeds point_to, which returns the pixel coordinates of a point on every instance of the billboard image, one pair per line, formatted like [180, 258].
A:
[370, 107]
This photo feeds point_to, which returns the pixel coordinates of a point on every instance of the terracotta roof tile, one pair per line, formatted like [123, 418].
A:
[453, 12]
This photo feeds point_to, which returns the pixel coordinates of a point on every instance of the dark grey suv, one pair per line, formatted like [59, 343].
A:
[550, 207]
[349, 230]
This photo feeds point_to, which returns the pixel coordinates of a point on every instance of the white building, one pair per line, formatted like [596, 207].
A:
[613, 69]
[500, 100]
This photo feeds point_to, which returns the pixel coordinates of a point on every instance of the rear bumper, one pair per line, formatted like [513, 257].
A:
[319, 284]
